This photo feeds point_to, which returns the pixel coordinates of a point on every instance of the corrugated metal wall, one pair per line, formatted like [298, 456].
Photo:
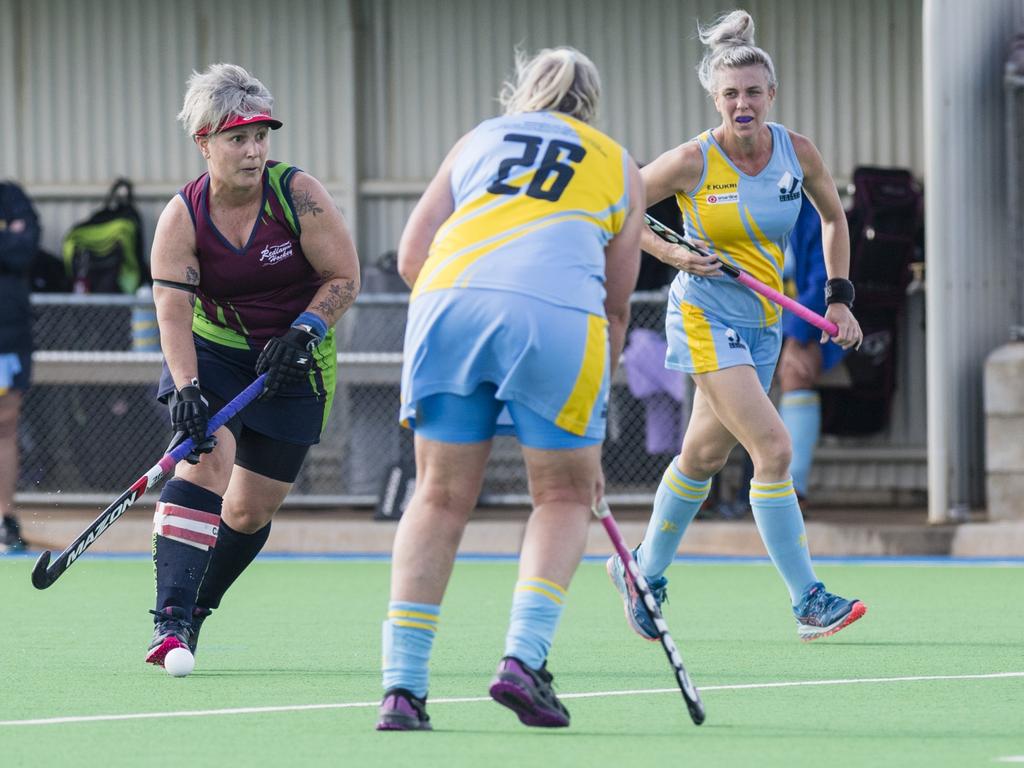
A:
[98, 83]
[409, 76]
[849, 77]
[849, 72]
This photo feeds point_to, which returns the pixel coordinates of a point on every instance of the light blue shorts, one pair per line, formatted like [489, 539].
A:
[479, 416]
[551, 360]
[699, 342]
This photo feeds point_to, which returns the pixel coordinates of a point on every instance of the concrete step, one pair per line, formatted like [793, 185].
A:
[840, 533]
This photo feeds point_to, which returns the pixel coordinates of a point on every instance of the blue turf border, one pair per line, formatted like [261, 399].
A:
[890, 560]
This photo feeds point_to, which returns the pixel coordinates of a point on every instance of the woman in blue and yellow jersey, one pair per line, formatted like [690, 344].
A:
[522, 255]
[739, 188]
[252, 266]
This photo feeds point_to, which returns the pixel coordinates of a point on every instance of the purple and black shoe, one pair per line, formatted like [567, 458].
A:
[529, 694]
[401, 710]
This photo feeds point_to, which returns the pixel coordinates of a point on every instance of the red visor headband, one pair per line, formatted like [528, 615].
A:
[234, 121]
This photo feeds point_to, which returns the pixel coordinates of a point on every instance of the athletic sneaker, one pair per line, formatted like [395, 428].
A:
[10, 535]
[172, 631]
[820, 613]
[401, 710]
[199, 615]
[636, 612]
[529, 694]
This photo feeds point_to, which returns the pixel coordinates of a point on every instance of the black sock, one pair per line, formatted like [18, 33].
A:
[187, 517]
[233, 554]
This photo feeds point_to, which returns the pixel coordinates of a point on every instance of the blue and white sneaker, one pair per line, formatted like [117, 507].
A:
[636, 613]
[820, 613]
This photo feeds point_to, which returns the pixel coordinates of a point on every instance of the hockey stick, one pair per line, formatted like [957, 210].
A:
[44, 573]
[798, 309]
[690, 695]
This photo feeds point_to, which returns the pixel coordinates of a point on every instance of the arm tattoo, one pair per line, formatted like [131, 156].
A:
[192, 278]
[304, 203]
[339, 298]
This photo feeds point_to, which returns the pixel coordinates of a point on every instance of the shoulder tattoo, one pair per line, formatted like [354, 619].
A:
[304, 203]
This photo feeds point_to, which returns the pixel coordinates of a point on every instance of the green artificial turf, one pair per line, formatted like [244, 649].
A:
[294, 633]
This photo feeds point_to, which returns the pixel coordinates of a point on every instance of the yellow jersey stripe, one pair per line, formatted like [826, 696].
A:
[446, 271]
[764, 269]
[699, 339]
[575, 414]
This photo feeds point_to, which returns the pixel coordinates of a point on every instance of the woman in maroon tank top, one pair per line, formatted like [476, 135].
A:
[252, 266]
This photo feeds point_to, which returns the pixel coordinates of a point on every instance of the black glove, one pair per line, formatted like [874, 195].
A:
[190, 417]
[286, 360]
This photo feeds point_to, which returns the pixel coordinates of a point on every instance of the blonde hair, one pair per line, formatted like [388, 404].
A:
[560, 79]
[730, 42]
[219, 92]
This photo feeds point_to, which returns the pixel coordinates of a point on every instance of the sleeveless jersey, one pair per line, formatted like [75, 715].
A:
[537, 198]
[248, 295]
[746, 220]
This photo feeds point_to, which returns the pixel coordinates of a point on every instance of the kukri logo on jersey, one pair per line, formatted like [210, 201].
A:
[789, 187]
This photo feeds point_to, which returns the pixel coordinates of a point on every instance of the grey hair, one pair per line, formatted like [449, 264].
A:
[730, 42]
[219, 92]
[561, 79]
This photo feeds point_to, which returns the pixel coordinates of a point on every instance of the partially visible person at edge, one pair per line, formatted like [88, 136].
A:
[522, 255]
[19, 241]
[804, 357]
[252, 266]
[739, 188]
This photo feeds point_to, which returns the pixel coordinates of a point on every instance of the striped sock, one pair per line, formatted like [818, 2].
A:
[536, 608]
[781, 525]
[675, 505]
[185, 525]
[801, 413]
[408, 635]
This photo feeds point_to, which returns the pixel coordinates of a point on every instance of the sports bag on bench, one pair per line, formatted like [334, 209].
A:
[104, 253]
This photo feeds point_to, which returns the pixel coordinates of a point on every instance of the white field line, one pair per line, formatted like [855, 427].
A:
[473, 699]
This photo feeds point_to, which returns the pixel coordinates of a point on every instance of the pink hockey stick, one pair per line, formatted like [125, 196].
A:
[798, 309]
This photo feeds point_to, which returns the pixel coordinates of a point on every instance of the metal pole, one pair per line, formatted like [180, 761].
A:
[937, 296]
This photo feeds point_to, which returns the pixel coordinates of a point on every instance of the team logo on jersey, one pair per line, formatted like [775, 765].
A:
[723, 198]
[272, 254]
[789, 187]
[735, 342]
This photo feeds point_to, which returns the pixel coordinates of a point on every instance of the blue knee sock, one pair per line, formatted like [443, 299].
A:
[781, 525]
[675, 505]
[408, 637]
[801, 413]
[536, 608]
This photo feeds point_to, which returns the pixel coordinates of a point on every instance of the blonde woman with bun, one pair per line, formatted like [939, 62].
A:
[739, 187]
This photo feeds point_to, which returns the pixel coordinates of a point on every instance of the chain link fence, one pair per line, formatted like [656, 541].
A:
[91, 424]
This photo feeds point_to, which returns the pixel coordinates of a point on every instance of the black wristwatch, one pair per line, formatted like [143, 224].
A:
[839, 290]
